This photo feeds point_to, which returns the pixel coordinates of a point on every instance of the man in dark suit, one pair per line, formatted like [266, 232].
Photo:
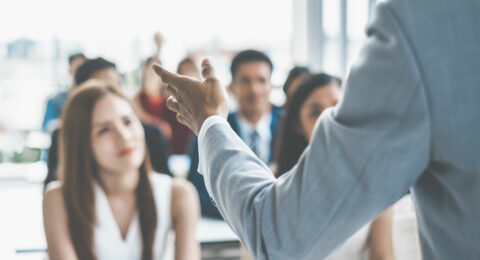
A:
[255, 121]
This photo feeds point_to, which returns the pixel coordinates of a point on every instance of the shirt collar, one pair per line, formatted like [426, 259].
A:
[262, 126]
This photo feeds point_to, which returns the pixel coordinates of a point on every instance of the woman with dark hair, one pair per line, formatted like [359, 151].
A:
[301, 112]
[108, 204]
[320, 91]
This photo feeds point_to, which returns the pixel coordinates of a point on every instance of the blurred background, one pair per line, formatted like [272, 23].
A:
[37, 37]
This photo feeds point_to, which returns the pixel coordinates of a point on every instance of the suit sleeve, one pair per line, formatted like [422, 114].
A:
[364, 155]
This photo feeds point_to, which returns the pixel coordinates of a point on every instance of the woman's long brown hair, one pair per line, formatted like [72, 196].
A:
[78, 171]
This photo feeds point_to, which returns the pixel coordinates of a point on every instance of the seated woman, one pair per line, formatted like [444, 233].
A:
[100, 72]
[108, 204]
[374, 240]
[150, 103]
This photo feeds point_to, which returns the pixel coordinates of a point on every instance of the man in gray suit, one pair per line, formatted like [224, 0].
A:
[409, 118]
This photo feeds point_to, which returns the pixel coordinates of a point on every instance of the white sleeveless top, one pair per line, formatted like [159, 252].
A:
[109, 243]
[355, 247]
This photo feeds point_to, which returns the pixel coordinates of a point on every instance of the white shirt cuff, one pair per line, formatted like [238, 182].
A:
[211, 120]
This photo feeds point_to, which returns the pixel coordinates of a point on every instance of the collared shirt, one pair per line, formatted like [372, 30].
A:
[264, 135]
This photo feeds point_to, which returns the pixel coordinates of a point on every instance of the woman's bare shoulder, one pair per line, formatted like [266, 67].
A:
[53, 196]
[184, 196]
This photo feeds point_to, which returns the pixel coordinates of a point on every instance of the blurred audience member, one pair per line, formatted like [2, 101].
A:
[98, 68]
[108, 204]
[150, 104]
[255, 121]
[307, 103]
[102, 69]
[320, 91]
[150, 101]
[56, 102]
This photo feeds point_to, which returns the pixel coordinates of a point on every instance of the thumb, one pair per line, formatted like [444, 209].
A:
[207, 69]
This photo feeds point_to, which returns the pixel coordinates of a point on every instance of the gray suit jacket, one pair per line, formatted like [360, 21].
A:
[410, 117]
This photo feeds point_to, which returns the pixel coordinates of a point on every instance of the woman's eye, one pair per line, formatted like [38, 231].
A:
[128, 121]
[315, 113]
[103, 130]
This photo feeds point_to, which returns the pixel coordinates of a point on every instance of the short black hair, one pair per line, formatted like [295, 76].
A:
[249, 56]
[90, 67]
[74, 56]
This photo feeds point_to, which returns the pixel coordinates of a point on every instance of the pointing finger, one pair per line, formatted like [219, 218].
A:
[178, 81]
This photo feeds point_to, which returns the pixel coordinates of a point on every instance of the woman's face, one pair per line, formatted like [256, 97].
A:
[117, 138]
[320, 99]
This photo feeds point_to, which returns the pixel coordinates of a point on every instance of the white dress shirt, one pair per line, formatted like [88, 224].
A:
[265, 135]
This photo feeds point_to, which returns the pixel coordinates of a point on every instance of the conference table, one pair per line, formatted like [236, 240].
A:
[21, 224]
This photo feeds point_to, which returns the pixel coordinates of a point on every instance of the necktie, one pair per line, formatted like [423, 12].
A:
[254, 136]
